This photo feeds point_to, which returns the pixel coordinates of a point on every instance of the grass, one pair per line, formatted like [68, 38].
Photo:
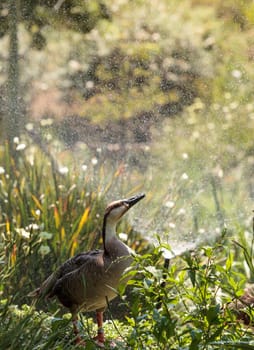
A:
[185, 306]
[49, 215]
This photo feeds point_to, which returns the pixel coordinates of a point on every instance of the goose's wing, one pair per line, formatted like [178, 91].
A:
[83, 260]
[78, 284]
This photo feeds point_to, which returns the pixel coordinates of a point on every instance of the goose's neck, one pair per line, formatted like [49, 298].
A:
[108, 232]
[113, 246]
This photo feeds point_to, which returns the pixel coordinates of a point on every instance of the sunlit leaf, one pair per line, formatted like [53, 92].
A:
[36, 201]
[57, 217]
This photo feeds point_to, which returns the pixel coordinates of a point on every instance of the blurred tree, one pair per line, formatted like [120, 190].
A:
[77, 15]
[12, 120]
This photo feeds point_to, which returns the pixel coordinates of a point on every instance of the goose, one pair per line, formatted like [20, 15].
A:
[88, 281]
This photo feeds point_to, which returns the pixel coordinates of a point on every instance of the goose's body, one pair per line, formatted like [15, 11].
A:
[89, 280]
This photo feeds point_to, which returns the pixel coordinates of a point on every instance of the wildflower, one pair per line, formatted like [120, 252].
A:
[220, 173]
[20, 147]
[33, 227]
[156, 36]
[2, 170]
[74, 65]
[72, 188]
[84, 167]
[184, 176]
[46, 122]
[23, 233]
[48, 136]
[170, 204]
[171, 225]
[29, 126]
[234, 105]
[185, 156]
[44, 249]
[89, 84]
[236, 73]
[196, 135]
[63, 170]
[94, 161]
[45, 235]
[16, 140]
[181, 211]
[123, 236]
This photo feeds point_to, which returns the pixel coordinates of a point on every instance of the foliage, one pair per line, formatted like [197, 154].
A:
[187, 60]
[138, 66]
[185, 306]
[48, 213]
[75, 15]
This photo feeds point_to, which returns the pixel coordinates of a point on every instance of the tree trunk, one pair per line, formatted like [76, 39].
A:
[12, 119]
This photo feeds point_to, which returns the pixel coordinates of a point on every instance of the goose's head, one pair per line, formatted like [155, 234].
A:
[117, 209]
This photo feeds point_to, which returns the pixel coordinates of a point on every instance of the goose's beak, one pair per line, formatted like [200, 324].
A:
[133, 200]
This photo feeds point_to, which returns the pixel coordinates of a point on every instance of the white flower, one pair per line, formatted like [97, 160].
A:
[185, 156]
[2, 170]
[196, 134]
[236, 73]
[181, 211]
[220, 173]
[29, 126]
[44, 250]
[170, 204]
[46, 122]
[123, 236]
[184, 176]
[16, 140]
[74, 65]
[20, 147]
[63, 170]
[23, 233]
[72, 188]
[48, 136]
[94, 161]
[89, 84]
[33, 227]
[84, 167]
[171, 225]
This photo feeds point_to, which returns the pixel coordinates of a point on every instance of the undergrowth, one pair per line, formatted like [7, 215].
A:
[48, 215]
